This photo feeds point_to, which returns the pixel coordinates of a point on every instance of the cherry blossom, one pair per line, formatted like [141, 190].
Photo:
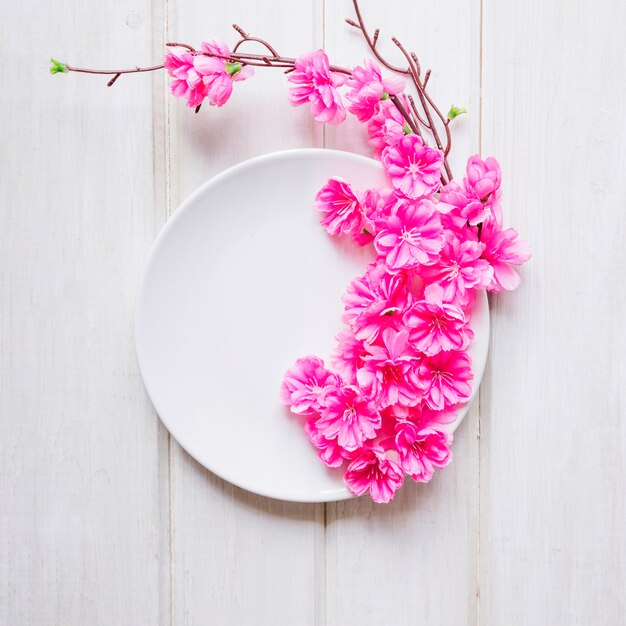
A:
[414, 168]
[368, 89]
[503, 248]
[371, 471]
[389, 372]
[445, 379]
[386, 127]
[459, 269]
[422, 450]
[217, 74]
[375, 301]
[340, 206]
[304, 385]
[412, 236]
[187, 81]
[328, 450]
[348, 416]
[435, 325]
[317, 85]
[348, 356]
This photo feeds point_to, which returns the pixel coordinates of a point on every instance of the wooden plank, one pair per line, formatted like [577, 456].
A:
[415, 560]
[239, 558]
[84, 510]
[553, 494]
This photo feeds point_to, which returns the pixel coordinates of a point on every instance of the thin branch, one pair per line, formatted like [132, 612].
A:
[245, 37]
[414, 73]
[405, 114]
[176, 44]
[371, 42]
[135, 70]
[425, 101]
[444, 121]
[416, 112]
[112, 81]
[409, 111]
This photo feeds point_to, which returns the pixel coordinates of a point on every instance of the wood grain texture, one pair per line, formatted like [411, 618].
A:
[83, 488]
[104, 519]
[239, 558]
[553, 478]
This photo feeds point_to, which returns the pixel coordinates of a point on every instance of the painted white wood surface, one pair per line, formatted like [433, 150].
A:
[553, 476]
[105, 520]
[83, 459]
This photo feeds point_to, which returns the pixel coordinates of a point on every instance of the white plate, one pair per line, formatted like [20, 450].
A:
[241, 282]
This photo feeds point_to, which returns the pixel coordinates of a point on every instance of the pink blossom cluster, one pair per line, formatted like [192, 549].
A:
[401, 369]
[198, 77]
[316, 84]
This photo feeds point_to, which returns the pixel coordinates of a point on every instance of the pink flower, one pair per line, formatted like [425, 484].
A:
[316, 84]
[389, 373]
[458, 269]
[367, 89]
[386, 127]
[414, 168]
[435, 325]
[421, 450]
[483, 177]
[304, 385]
[341, 208]
[217, 74]
[503, 248]
[187, 81]
[348, 356]
[372, 471]
[327, 450]
[455, 202]
[444, 379]
[374, 301]
[483, 184]
[412, 235]
[376, 206]
[348, 416]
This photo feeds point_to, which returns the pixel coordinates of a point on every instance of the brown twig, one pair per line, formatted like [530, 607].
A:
[256, 60]
[425, 101]
[135, 70]
[405, 114]
[246, 37]
[413, 71]
[416, 113]
[112, 81]
[371, 41]
[415, 120]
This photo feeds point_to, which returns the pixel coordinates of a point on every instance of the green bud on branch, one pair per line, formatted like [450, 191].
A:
[232, 68]
[57, 67]
[455, 112]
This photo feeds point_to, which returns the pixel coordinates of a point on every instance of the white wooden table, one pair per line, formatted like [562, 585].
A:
[105, 520]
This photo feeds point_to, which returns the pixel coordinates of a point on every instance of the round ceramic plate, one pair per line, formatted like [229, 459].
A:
[241, 282]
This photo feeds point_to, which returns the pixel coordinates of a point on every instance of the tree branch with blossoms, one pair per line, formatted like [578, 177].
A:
[236, 61]
[401, 370]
